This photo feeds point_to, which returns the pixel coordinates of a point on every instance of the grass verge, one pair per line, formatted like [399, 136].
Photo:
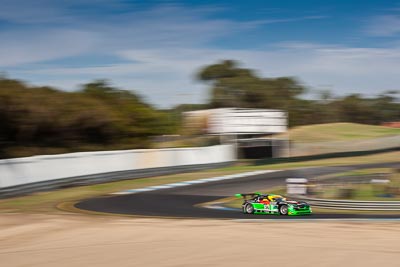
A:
[341, 131]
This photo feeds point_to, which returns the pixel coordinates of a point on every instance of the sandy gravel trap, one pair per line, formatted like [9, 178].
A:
[80, 240]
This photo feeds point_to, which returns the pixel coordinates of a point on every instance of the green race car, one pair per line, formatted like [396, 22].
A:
[257, 203]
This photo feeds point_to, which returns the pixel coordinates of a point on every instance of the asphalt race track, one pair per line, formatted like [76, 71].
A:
[183, 201]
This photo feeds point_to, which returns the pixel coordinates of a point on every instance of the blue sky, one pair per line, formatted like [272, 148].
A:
[156, 47]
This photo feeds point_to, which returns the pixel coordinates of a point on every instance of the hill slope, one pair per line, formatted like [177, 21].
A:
[340, 132]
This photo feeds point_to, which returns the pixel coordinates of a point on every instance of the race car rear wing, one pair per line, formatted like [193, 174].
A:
[246, 196]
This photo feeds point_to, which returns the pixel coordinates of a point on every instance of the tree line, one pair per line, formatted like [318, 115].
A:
[44, 120]
[232, 86]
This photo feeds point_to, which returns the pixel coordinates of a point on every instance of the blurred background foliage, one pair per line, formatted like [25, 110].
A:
[232, 86]
[44, 120]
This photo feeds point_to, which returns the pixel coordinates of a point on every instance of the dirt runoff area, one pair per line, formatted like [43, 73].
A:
[82, 240]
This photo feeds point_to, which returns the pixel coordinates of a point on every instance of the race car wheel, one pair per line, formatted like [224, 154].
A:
[249, 209]
[283, 210]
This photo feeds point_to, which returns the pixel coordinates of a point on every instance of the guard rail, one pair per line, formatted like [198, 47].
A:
[352, 204]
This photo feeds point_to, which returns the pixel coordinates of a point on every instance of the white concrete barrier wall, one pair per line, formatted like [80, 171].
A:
[45, 168]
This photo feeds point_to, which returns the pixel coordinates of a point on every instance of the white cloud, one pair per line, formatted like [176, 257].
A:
[162, 48]
[384, 26]
[19, 11]
[163, 26]
[166, 75]
[20, 48]
[49, 24]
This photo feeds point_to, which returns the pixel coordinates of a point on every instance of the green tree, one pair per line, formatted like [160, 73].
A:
[99, 116]
[232, 86]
